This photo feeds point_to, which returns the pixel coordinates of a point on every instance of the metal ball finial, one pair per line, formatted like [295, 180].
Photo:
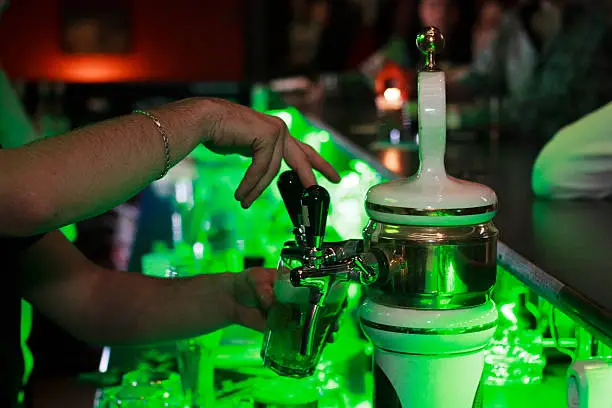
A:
[430, 42]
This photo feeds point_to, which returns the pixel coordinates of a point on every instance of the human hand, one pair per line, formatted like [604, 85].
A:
[253, 295]
[238, 129]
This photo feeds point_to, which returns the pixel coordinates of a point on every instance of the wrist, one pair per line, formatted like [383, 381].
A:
[211, 115]
[227, 287]
[189, 122]
[214, 300]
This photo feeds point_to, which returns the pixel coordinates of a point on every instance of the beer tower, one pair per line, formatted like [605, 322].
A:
[428, 259]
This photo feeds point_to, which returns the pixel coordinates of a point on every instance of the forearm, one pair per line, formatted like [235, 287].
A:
[129, 308]
[90, 170]
[110, 307]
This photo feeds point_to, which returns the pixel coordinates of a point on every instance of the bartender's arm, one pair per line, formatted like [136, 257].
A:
[57, 181]
[111, 307]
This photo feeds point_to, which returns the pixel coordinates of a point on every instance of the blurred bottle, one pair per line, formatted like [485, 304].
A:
[124, 234]
[516, 352]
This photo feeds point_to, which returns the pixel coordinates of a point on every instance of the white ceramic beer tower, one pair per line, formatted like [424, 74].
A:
[428, 257]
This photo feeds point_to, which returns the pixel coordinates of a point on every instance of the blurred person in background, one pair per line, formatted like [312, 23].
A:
[447, 15]
[400, 21]
[571, 78]
[394, 22]
[455, 19]
[342, 22]
[308, 22]
[487, 25]
[506, 52]
[577, 162]
[438, 13]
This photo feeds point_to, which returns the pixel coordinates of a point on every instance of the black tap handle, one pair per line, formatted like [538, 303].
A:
[315, 207]
[291, 190]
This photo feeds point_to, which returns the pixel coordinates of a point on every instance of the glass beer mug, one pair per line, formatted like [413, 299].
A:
[296, 332]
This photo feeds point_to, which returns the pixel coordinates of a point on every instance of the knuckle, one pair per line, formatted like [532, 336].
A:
[308, 147]
[279, 124]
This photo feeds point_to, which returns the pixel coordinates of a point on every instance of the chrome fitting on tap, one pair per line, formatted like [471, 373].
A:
[364, 268]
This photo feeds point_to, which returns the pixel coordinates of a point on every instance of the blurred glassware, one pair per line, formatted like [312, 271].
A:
[150, 389]
[515, 355]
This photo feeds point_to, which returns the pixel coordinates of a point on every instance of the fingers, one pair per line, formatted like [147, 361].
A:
[252, 318]
[297, 159]
[253, 294]
[302, 158]
[267, 156]
[264, 182]
[319, 163]
[268, 153]
[263, 156]
[262, 283]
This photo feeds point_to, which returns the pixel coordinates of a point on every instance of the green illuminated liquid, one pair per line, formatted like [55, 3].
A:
[283, 338]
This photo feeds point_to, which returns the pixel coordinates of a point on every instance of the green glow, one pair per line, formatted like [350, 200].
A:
[353, 291]
[260, 98]
[295, 121]
[70, 232]
[26, 329]
[507, 312]
[515, 355]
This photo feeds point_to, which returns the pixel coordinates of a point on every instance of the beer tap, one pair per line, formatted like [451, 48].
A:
[323, 265]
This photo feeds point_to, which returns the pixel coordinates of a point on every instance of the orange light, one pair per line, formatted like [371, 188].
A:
[94, 69]
[392, 94]
[395, 74]
[392, 159]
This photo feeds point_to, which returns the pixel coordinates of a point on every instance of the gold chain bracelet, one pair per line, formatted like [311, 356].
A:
[164, 136]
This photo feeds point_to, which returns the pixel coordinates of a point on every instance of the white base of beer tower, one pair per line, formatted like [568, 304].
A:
[428, 358]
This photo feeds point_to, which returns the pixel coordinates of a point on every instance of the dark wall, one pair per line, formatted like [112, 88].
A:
[188, 40]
